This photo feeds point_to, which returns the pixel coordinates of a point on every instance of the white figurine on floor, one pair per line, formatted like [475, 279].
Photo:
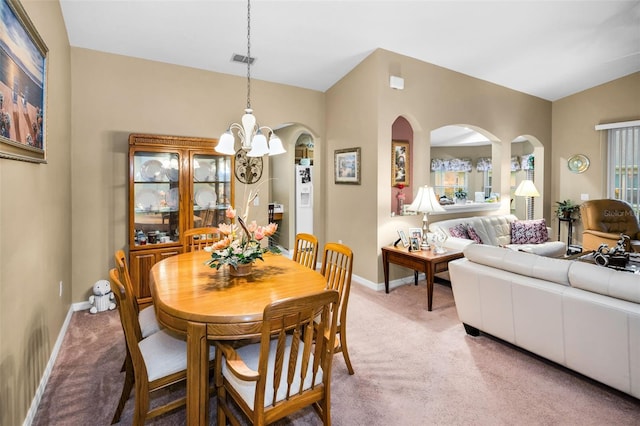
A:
[102, 297]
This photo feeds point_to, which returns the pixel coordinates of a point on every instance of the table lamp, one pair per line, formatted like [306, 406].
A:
[527, 189]
[425, 202]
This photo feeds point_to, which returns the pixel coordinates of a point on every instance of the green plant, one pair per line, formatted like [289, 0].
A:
[567, 208]
[460, 193]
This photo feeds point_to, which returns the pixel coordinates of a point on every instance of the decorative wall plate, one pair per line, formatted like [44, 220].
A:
[578, 163]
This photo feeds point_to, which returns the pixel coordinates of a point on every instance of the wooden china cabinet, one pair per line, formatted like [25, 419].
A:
[175, 183]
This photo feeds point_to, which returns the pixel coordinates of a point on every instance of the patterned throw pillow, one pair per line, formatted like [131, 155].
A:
[459, 231]
[473, 235]
[529, 231]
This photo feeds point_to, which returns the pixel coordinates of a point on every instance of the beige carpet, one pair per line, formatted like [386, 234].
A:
[412, 367]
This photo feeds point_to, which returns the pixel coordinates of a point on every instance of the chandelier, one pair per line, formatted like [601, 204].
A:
[250, 134]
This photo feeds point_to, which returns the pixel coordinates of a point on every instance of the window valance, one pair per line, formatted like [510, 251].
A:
[483, 164]
[451, 165]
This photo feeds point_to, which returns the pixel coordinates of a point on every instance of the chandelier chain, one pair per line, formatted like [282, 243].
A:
[248, 54]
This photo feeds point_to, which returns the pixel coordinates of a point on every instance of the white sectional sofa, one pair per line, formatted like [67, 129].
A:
[496, 231]
[577, 314]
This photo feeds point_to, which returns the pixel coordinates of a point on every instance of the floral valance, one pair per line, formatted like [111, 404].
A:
[483, 164]
[451, 165]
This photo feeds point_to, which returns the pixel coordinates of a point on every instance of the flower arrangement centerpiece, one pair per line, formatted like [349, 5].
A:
[241, 243]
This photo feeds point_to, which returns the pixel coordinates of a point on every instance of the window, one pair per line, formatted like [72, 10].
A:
[446, 183]
[623, 181]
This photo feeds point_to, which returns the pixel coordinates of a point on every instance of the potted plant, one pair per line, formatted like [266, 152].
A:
[567, 209]
[461, 195]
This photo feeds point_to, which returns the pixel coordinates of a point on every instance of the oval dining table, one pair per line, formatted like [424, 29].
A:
[208, 304]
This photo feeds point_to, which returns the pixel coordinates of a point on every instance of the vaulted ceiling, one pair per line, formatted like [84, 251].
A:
[550, 49]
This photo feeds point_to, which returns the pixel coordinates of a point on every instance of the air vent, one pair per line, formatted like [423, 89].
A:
[242, 59]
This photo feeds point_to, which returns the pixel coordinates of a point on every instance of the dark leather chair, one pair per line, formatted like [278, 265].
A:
[604, 220]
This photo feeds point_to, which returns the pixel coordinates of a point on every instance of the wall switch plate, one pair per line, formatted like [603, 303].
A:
[256, 201]
[584, 197]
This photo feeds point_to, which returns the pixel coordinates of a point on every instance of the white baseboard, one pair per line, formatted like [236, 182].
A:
[380, 286]
[33, 409]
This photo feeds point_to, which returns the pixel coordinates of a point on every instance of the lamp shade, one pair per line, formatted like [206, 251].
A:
[425, 201]
[258, 146]
[225, 144]
[527, 189]
[275, 145]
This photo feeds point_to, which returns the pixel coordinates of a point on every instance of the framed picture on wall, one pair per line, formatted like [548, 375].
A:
[347, 166]
[400, 163]
[22, 86]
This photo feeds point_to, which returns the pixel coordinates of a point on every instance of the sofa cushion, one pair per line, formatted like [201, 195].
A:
[609, 282]
[529, 232]
[459, 231]
[473, 234]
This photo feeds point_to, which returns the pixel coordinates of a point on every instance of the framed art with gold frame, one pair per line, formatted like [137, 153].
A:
[400, 163]
[22, 86]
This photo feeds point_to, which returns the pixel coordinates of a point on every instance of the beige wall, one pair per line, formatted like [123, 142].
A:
[361, 109]
[63, 220]
[35, 230]
[574, 121]
[114, 96]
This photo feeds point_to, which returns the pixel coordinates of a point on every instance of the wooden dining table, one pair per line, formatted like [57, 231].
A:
[207, 304]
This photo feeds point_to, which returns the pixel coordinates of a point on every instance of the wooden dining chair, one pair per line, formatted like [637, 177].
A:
[198, 238]
[147, 322]
[337, 264]
[305, 250]
[158, 361]
[147, 315]
[288, 369]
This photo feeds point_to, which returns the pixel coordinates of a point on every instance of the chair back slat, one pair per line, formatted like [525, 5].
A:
[125, 277]
[195, 239]
[337, 264]
[305, 250]
[296, 350]
[128, 316]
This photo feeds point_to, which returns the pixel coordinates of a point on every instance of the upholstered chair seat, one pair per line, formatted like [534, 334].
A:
[605, 220]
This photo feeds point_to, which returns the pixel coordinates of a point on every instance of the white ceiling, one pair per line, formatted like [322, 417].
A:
[546, 48]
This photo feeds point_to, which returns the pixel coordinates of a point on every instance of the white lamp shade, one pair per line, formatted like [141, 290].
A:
[527, 189]
[425, 201]
[275, 145]
[258, 146]
[225, 144]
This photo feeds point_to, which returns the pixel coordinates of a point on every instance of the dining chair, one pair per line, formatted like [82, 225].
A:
[147, 315]
[287, 369]
[305, 250]
[337, 264]
[198, 238]
[158, 360]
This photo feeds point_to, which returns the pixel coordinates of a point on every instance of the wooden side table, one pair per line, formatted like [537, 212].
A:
[420, 261]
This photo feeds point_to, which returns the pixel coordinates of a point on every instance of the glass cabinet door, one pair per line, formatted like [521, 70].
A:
[211, 189]
[156, 198]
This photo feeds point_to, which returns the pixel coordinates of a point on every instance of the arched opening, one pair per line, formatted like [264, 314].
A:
[300, 212]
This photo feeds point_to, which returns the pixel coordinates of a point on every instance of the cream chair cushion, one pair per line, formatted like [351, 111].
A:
[148, 322]
[165, 353]
[250, 354]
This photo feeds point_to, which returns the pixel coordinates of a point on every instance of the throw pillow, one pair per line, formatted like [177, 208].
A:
[529, 231]
[473, 235]
[459, 231]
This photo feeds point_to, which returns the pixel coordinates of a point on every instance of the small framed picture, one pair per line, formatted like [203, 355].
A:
[416, 233]
[415, 243]
[403, 238]
[400, 163]
[347, 166]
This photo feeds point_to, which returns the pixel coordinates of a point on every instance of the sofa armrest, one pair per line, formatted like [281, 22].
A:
[455, 243]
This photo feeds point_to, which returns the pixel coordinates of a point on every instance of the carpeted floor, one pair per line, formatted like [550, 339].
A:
[412, 367]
